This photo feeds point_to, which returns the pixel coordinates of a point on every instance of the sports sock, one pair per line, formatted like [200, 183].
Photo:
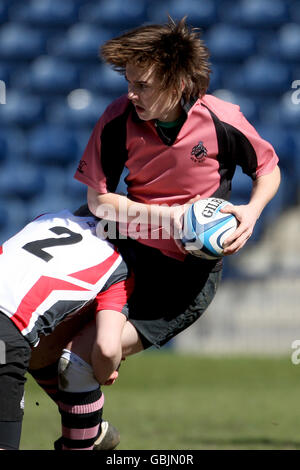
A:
[81, 416]
[47, 379]
[80, 403]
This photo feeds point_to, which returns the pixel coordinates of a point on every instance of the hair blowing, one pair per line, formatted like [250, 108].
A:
[175, 50]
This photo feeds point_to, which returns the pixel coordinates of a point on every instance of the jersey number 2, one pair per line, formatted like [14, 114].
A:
[37, 247]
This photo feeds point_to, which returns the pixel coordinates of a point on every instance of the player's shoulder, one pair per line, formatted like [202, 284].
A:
[116, 108]
[224, 110]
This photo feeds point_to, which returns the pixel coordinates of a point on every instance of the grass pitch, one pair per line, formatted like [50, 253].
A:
[163, 400]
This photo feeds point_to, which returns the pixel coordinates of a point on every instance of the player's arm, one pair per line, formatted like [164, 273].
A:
[111, 318]
[115, 207]
[264, 189]
[107, 348]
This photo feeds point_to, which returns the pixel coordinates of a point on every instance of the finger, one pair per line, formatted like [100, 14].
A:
[235, 235]
[194, 199]
[237, 245]
[228, 209]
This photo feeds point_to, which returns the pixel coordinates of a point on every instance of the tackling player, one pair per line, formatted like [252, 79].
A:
[52, 269]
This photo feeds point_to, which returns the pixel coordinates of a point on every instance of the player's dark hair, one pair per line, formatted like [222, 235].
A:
[174, 49]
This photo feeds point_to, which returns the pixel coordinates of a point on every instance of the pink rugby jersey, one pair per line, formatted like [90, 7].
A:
[214, 138]
[55, 266]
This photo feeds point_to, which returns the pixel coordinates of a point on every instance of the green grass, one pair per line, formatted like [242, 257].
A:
[169, 401]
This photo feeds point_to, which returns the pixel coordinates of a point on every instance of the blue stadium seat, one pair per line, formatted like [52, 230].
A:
[200, 14]
[103, 79]
[296, 140]
[114, 15]
[13, 144]
[261, 76]
[228, 43]
[13, 217]
[45, 13]
[80, 43]
[81, 110]
[288, 110]
[285, 145]
[5, 73]
[18, 42]
[257, 14]
[284, 45]
[247, 106]
[215, 77]
[3, 217]
[21, 109]
[289, 42]
[20, 181]
[48, 75]
[48, 202]
[17, 214]
[3, 148]
[74, 189]
[49, 144]
[3, 12]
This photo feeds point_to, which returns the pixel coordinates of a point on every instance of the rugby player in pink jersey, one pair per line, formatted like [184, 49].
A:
[177, 143]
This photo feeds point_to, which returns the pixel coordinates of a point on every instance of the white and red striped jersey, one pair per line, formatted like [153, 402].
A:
[53, 267]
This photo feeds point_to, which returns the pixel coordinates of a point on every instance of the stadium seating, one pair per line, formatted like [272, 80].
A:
[57, 88]
[52, 145]
[80, 43]
[229, 43]
[21, 109]
[257, 14]
[45, 13]
[260, 76]
[48, 75]
[20, 181]
[200, 14]
[102, 79]
[19, 42]
[117, 14]
[81, 109]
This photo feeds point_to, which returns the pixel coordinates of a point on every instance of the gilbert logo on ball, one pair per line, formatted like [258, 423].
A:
[206, 228]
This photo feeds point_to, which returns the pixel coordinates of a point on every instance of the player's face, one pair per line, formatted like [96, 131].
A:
[149, 100]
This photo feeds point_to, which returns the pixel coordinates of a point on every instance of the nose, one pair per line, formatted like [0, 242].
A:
[132, 94]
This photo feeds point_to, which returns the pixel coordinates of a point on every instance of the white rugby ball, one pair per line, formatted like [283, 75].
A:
[206, 228]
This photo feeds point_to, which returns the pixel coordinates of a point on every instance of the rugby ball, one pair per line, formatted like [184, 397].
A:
[205, 228]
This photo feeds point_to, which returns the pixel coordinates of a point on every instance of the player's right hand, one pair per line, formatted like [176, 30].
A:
[113, 377]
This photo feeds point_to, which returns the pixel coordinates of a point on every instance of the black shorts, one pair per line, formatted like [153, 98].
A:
[169, 295]
[15, 357]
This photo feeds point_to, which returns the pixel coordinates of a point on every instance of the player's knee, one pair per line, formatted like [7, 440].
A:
[74, 374]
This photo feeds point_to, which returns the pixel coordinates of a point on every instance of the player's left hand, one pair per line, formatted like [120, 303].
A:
[247, 217]
[176, 224]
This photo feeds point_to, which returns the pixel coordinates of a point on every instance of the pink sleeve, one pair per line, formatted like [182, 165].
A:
[89, 170]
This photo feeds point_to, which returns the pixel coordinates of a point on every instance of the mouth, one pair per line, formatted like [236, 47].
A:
[138, 108]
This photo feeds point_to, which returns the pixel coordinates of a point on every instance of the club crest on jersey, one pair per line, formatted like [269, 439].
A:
[198, 153]
[81, 166]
